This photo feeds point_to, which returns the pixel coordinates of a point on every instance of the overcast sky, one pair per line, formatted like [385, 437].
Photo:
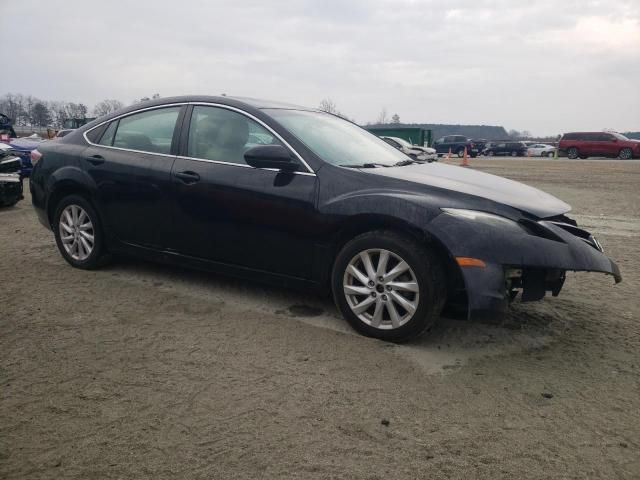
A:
[547, 66]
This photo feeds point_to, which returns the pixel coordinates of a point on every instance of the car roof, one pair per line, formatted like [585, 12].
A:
[245, 103]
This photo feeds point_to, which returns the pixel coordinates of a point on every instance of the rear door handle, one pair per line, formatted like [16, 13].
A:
[95, 159]
[188, 177]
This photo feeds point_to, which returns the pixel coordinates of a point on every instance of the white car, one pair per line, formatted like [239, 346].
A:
[424, 154]
[541, 150]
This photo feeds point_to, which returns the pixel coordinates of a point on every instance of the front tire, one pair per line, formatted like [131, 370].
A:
[78, 233]
[388, 286]
[625, 154]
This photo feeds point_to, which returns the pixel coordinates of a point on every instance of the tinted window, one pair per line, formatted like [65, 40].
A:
[107, 137]
[150, 131]
[224, 135]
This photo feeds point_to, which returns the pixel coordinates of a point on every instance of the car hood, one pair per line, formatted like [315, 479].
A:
[485, 185]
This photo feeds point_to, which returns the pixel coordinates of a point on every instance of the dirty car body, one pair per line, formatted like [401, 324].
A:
[494, 237]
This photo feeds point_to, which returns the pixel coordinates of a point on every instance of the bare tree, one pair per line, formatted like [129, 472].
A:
[106, 107]
[383, 117]
[395, 118]
[329, 106]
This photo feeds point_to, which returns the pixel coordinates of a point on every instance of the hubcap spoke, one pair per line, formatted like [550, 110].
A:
[393, 314]
[397, 270]
[368, 266]
[362, 278]
[404, 286]
[355, 290]
[382, 263]
[364, 305]
[377, 314]
[406, 304]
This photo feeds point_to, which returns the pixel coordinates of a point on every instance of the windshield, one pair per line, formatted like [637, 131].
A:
[337, 141]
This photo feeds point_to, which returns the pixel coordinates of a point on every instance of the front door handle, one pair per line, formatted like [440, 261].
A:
[95, 159]
[188, 177]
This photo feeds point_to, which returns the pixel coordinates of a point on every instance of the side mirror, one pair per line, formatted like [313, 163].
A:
[271, 156]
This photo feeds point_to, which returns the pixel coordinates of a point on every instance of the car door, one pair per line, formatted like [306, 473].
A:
[608, 145]
[439, 145]
[130, 165]
[229, 212]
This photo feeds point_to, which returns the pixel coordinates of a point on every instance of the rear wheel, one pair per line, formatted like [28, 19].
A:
[388, 286]
[625, 154]
[514, 153]
[76, 227]
[460, 153]
[572, 153]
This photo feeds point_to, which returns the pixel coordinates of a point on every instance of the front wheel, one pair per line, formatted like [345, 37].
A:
[78, 233]
[388, 286]
[625, 154]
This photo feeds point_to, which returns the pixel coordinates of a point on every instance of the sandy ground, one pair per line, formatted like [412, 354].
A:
[148, 371]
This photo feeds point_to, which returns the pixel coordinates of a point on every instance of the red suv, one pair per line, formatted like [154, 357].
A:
[598, 144]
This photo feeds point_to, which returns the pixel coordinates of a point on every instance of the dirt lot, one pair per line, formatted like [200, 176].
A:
[147, 371]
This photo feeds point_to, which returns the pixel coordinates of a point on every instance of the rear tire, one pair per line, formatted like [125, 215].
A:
[78, 233]
[375, 299]
[514, 153]
[460, 153]
[572, 153]
[625, 154]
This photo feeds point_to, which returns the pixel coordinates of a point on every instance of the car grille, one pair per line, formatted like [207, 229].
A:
[580, 233]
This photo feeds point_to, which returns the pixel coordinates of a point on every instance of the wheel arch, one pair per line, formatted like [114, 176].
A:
[364, 223]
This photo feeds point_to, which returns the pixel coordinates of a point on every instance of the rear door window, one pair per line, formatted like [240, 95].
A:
[149, 131]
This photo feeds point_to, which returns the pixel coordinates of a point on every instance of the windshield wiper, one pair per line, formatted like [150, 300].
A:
[365, 165]
[402, 163]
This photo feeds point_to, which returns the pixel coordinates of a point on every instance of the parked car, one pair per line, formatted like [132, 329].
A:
[479, 144]
[541, 150]
[23, 147]
[324, 205]
[425, 154]
[10, 180]
[598, 144]
[456, 145]
[513, 149]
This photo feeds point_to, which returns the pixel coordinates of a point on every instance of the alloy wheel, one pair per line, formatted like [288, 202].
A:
[381, 289]
[76, 232]
[625, 154]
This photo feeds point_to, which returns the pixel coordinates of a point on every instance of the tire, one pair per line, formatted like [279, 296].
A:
[460, 153]
[79, 228]
[583, 157]
[572, 153]
[421, 286]
[549, 154]
[625, 154]
[489, 153]
[514, 153]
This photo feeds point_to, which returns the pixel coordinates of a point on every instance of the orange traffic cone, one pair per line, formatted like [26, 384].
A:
[449, 154]
[465, 159]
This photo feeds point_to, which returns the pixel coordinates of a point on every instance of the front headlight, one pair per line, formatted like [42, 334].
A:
[474, 214]
[485, 217]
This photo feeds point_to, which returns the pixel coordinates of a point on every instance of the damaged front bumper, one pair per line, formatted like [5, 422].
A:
[528, 257]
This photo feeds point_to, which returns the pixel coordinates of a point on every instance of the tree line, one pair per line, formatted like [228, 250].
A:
[30, 111]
